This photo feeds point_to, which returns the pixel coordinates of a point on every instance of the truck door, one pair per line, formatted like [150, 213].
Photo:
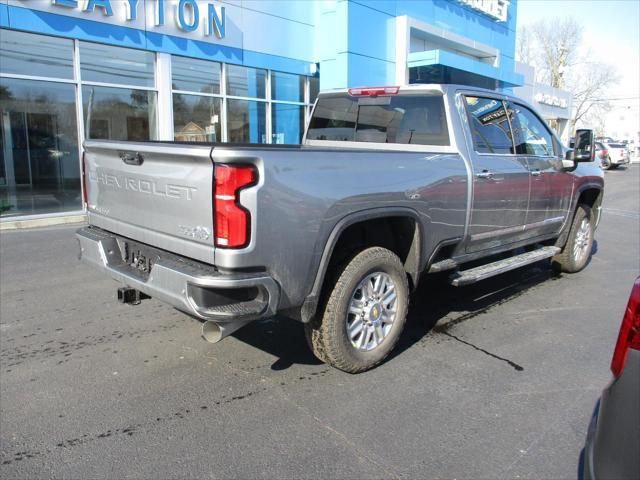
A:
[500, 178]
[550, 186]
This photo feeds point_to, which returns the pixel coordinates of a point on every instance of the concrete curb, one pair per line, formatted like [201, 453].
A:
[42, 222]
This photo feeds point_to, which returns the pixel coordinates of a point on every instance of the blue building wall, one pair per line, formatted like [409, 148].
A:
[274, 34]
[352, 41]
[358, 46]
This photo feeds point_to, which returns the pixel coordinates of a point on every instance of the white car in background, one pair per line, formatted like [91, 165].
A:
[618, 154]
[602, 156]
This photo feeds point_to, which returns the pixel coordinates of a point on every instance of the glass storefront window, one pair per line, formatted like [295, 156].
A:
[119, 113]
[246, 82]
[246, 121]
[314, 88]
[287, 123]
[40, 163]
[288, 87]
[3, 173]
[30, 54]
[196, 118]
[193, 75]
[108, 64]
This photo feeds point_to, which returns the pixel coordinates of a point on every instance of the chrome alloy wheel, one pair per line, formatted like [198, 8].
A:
[583, 240]
[372, 311]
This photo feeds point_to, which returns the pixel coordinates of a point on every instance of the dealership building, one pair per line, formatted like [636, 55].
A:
[212, 71]
[553, 104]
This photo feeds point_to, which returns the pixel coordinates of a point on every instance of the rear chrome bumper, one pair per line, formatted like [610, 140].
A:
[620, 161]
[192, 287]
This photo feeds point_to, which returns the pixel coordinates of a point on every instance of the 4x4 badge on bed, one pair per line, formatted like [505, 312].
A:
[199, 233]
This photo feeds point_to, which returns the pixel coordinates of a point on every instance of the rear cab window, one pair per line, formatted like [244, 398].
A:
[402, 119]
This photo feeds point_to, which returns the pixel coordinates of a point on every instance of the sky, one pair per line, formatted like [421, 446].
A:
[611, 31]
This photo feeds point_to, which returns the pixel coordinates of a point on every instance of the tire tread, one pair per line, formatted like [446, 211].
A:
[324, 334]
[564, 261]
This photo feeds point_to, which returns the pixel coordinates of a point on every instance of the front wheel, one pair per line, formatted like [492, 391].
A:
[364, 313]
[576, 253]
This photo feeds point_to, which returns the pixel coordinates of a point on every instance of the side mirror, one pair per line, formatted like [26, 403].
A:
[585, 146]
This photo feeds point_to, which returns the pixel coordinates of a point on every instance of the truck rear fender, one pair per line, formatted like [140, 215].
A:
[398, 228]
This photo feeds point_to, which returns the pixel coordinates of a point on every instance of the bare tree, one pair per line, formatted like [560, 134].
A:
[524, 52]
[556, 50]
[595, 118]
[590, 90]
[558, 41]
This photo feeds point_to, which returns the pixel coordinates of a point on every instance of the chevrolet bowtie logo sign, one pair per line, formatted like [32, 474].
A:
[497, 9]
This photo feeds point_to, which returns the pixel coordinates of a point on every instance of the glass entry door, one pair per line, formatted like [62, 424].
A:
[40, 163]
[36, 150]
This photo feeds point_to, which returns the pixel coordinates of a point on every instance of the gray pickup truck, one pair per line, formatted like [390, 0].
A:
[389, 184]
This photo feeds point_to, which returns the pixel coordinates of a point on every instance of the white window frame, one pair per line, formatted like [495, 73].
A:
[166, 84]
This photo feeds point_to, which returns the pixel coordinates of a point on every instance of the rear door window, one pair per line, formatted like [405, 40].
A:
[489, 125]
[418, 120]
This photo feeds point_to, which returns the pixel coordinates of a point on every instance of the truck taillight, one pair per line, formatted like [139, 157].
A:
[84, 180]
[629, 336]
[373, 91]
[232, 220]
[605, 152]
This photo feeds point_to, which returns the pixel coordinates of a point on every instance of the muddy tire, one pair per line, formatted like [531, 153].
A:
[363, 314]
[576, 253]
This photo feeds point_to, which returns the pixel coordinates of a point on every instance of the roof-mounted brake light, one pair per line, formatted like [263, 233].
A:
[373, 91]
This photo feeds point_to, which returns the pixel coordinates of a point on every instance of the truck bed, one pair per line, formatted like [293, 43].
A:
[301, 194]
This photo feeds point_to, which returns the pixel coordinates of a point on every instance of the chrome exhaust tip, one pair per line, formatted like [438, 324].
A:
[213, 332]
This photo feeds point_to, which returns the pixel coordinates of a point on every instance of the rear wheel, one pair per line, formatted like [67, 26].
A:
[576, 253]
[364, 312]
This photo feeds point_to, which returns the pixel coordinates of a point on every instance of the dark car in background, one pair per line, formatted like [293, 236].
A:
[612, 448]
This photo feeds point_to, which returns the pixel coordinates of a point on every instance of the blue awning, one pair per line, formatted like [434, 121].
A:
[450, 60]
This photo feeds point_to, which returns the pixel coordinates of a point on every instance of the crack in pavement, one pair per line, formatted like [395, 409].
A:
[513, 364]
[129, 430]
[518, 290]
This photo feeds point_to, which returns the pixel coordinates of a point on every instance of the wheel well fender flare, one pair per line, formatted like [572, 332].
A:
[310, 303]
[562, 239]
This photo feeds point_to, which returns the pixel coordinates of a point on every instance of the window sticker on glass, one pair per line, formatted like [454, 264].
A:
[489, 126]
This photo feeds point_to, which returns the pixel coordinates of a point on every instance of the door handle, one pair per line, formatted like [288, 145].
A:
[484, 174]
[536, 172]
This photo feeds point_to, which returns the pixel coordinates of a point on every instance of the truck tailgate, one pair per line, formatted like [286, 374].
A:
[160, 194]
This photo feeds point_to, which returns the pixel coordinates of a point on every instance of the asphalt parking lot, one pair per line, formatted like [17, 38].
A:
[496, 380]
